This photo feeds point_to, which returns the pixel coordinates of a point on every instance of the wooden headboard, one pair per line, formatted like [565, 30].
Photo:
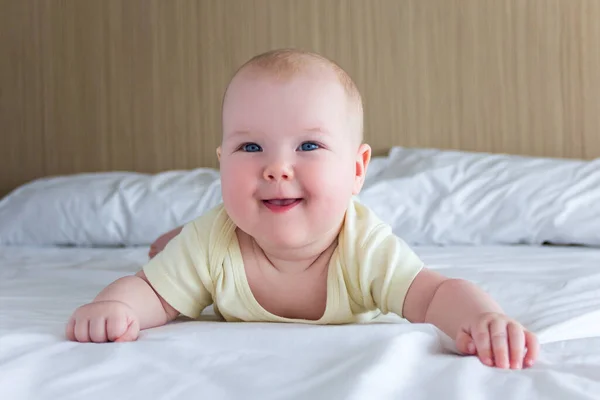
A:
[136, 85]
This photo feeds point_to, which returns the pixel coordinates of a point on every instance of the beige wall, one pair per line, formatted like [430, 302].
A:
[96, 85]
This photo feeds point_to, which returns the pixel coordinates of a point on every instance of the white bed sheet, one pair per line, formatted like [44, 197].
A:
[554, 291]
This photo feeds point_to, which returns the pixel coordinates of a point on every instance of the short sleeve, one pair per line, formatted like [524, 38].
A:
[179, 272]
[379, 266]
[387, 268]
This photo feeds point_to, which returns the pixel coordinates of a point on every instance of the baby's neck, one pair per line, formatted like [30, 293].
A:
[295, 260]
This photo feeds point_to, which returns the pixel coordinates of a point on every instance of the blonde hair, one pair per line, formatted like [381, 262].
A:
[286, 63]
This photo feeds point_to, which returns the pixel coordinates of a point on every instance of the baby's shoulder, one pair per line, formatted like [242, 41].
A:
[361, 223]
[367, 243]
[364, 233]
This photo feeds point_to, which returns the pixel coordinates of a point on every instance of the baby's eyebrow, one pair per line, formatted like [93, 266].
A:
[244, 132]
[318, 129]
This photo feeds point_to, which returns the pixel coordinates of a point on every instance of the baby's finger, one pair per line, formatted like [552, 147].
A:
[516, 342]
[533, 348]
[82, 330]
[131, 334]
[464, 343]
[481, 336]
[499, 342]
[70, 329]
[115, 328]
[98, 330]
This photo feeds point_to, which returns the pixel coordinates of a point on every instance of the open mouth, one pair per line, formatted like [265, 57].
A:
[280, 205]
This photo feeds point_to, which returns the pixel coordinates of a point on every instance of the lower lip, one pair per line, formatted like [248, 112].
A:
[280, 209]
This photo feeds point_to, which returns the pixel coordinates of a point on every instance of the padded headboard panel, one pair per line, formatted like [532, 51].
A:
[89, 85]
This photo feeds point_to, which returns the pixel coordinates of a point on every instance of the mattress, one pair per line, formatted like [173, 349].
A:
[553, 291]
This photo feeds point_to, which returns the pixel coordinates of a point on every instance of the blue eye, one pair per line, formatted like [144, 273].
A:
[309, 146]
[251, 148]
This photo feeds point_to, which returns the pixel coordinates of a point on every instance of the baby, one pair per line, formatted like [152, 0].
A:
[289, 243]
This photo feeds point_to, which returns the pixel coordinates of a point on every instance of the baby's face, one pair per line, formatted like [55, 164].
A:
[288, 157]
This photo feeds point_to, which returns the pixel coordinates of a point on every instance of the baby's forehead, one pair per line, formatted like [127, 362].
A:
[267, 94]
[312, 81]
[284, 121]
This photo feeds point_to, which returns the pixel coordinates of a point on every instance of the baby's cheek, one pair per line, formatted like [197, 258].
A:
[335, 181]
[333, 186]
[236, 172]
[236, 185]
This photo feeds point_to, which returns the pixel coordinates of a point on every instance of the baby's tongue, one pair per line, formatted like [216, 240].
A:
[281, 202]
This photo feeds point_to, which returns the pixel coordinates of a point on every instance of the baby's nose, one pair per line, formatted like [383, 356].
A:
[278, 171]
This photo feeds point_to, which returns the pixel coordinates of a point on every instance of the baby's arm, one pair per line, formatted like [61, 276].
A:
[135, 291]
[470, 316]
[120, 311]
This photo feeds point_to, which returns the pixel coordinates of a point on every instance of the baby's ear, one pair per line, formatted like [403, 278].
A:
[363, 156]
[219, 153]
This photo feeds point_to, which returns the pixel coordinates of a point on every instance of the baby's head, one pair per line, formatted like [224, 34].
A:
[291, 155]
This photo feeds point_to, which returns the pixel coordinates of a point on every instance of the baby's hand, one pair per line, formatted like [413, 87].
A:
[103, 321]
[498, 341]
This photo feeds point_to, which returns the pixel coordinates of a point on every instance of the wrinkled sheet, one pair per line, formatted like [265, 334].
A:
[553, 291]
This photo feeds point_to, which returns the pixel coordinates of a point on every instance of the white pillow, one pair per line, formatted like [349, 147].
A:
[106, 209]
[428, 196]
[441, 197]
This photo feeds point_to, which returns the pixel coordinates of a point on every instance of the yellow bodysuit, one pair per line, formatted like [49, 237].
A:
[369, 272]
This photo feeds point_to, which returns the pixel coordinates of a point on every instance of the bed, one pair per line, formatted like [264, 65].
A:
[542, 267]
[211, 359]
[484, 119]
